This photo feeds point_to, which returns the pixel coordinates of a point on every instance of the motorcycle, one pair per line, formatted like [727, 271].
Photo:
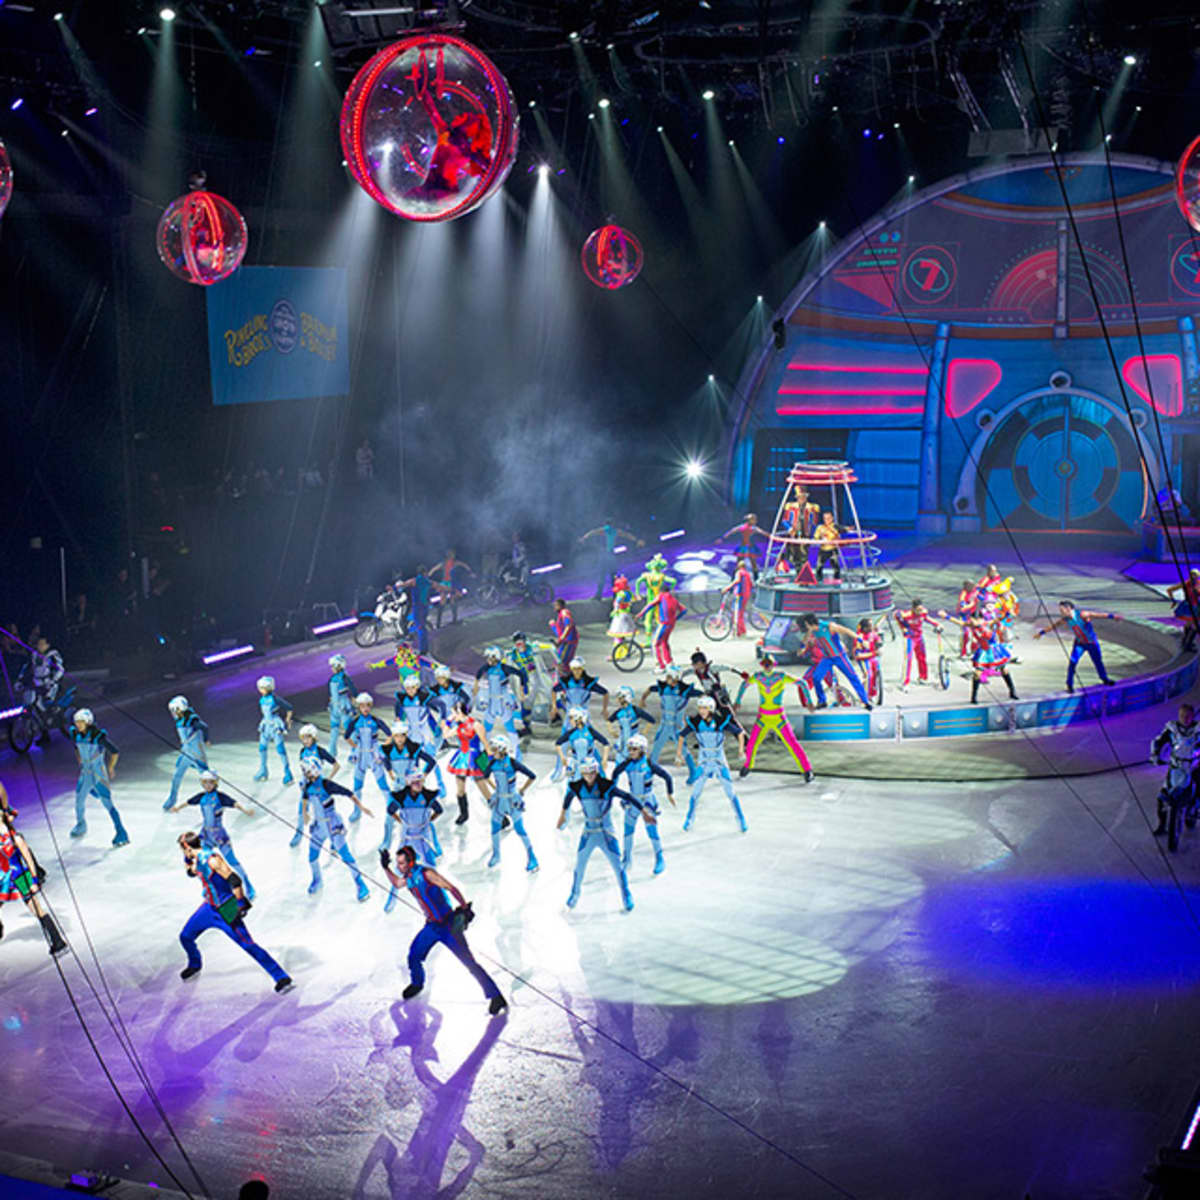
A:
[389, 620]
[37, 720]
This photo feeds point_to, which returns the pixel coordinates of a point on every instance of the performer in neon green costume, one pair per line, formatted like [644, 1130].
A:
[650, 584]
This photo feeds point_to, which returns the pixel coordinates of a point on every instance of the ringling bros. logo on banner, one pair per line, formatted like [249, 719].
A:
[278, 333]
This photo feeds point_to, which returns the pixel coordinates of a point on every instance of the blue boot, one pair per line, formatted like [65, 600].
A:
[532, 864]
[79, 829]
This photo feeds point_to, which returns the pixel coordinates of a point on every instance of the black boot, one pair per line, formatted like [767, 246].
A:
[975, 690]
[57, 945]
[1012, 691]
[462, 811]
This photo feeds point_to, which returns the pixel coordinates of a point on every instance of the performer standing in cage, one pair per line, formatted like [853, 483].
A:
[1087, 641]
[442, 923]
[828, 536]
[225, 907]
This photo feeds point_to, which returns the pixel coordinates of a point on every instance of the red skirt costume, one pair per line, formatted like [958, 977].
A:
[464, 761]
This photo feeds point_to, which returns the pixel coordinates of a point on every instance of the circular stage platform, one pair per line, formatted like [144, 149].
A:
[926, 732]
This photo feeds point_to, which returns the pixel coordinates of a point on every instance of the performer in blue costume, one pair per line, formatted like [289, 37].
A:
[448, 692]
[367, 734]
[212, 804]
[403, 756]
[1087, 641]
[709, 729]
[97, 757]
[327, 825]
[414, 808]
[193, 738]
[627, 719]
[421, 709]
[341, 700]
[578, 744]
[595, 795]
[310, 750]
[225, 906]
[673, 697]
[275, 721]
[501, 701]
[442, 923]
[506, 797]
[575, 690]
[639, 771]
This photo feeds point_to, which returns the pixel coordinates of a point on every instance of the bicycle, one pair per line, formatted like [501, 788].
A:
[36, 721]
[717, 626]
[506, 584]
[943, 664]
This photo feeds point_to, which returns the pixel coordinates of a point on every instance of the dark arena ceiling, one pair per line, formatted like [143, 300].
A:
[941, 69]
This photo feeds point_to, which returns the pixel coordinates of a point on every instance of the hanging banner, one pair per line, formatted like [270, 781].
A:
[278, 333]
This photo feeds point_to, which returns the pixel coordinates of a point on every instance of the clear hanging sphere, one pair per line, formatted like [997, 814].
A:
[201, 238]
[612, 257]
[429, 128]
[1187, 184]
[6, 178]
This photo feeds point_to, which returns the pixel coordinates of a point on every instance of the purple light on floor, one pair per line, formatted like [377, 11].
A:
[330, 626]
[91, 112]
[224, 655]
[674, 533]
[547, 568]
[11, 712]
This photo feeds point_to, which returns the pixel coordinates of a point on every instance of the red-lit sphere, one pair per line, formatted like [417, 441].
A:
[201, 238]
[429, 128]
[612, 257]
[5, 179]
[1187, 184]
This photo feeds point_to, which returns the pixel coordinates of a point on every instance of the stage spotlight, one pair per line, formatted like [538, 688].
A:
[16, 103]
[543, 170]
[866, 133]
[895, 124]
[710, 378]
[591, 116]
[58, 16]
[1131, 60]
[317, 63]
[533, 104]
[609, 46]
[659, 129]
[62, 133]
[693, 468]
[821, 225]
[573, 36]
[780, 140]
[707, 94]
[731, 141]
[91, 112]
[604, 101]
[141, 30]
[1108, 137]
[167, 14]
[912, 179]
[759, 299]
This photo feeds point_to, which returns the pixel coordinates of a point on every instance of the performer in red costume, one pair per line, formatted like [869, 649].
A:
[912, 624]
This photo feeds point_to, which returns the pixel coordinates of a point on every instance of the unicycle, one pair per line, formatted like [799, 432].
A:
[943, 664]
[627, 654]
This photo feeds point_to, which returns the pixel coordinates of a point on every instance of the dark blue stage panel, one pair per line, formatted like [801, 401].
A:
[278, 333]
